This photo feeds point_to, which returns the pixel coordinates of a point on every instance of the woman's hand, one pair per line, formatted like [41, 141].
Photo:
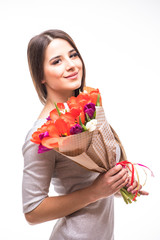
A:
[134, 187]
[110, 182]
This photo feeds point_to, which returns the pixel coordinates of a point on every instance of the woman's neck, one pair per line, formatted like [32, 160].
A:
[55, 97]
[58, 97]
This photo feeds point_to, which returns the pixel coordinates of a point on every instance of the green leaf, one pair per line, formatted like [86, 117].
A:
[94, 115]
[88, 119]
[98, 100]
[59, 113]
[82, 125]
[80, 121]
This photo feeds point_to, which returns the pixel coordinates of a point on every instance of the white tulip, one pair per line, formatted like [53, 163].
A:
[91, 125]
[66, 107]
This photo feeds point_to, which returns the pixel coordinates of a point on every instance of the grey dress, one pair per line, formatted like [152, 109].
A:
[95, 221]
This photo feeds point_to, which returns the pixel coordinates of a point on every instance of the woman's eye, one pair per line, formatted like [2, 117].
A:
[74, 55]
[56, 62]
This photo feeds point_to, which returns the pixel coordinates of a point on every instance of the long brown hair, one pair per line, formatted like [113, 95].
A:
[36, 53]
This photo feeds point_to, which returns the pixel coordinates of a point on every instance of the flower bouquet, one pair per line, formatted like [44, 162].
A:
[79, 130]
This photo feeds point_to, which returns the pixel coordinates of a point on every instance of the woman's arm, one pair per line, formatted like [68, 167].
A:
[59, 206]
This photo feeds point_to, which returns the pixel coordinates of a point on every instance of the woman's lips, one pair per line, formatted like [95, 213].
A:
[72, 76]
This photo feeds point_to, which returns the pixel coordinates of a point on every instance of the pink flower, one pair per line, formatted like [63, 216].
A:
[42, 149]
[42, 135]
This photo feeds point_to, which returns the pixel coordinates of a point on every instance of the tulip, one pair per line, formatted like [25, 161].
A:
[76, 129]
[89, 109]
[91, 125]
[42, 149]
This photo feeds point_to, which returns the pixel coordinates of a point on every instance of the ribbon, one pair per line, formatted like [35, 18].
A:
[132, 170]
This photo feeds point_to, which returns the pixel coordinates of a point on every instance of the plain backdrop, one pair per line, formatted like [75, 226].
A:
[120, 44]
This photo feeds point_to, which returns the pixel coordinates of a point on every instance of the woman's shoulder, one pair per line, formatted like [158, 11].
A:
[42, 118]
[45, 111]
[44, 114]
[37, 124]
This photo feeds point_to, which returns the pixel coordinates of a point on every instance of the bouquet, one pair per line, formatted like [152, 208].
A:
[79, 130]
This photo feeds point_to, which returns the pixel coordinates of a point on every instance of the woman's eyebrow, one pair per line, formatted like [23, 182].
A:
[54, 58]
[72, 50]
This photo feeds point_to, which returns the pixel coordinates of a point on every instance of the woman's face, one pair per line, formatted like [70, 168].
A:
[62, 68]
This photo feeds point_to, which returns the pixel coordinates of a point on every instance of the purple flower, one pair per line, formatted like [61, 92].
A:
[48, 118]
[76, 129]
[89, 108]
[42, 135]
[42, 149]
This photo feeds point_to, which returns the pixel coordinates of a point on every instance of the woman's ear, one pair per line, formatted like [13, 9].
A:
[43, 81]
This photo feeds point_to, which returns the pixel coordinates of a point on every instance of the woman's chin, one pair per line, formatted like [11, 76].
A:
[76, 85]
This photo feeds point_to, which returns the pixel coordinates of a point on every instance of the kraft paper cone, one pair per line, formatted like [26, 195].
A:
[74, 145]
[95, 150]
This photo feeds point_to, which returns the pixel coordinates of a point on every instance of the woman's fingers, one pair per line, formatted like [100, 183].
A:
[143, 193]
[133, 188]
[120, 183]
[118, 177]
[122, 174]
[114, 170]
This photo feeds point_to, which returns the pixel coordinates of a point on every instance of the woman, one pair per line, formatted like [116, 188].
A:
[84, 206]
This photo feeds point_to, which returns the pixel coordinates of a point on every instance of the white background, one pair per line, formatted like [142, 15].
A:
[120, 44]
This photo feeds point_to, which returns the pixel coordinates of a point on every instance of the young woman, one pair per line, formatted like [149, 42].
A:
[85, 204]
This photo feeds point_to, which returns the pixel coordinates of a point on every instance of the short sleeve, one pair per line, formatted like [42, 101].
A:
[118, 152]
[37, 174]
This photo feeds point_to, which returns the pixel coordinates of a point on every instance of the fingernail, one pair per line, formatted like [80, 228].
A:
[133, 192]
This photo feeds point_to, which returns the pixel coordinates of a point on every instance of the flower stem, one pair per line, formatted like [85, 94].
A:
[82, 125]
[98, 100]
[124, 196]
[88, 118]
[59, 113]
[127, 196]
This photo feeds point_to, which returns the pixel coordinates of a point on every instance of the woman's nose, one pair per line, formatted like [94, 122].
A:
[69, 64]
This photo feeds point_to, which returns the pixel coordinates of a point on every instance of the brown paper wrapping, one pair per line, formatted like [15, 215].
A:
[95, 150]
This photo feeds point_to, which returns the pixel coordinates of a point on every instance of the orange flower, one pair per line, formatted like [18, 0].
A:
[69, 119]
[82, 116]
[60, 122]
[89, 89]
[74, 106]
[62, 127]
[93, 93]
[79, 101]
[75, 111]
[94, 96]
[52, 130]
[61, 106]
[54, 114]
[50, 142]
[55, 130]
[35, 137]
[72, 102]
[83, 99]
[59, 129]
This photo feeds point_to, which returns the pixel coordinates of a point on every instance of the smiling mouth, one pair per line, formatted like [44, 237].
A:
[73, 75]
